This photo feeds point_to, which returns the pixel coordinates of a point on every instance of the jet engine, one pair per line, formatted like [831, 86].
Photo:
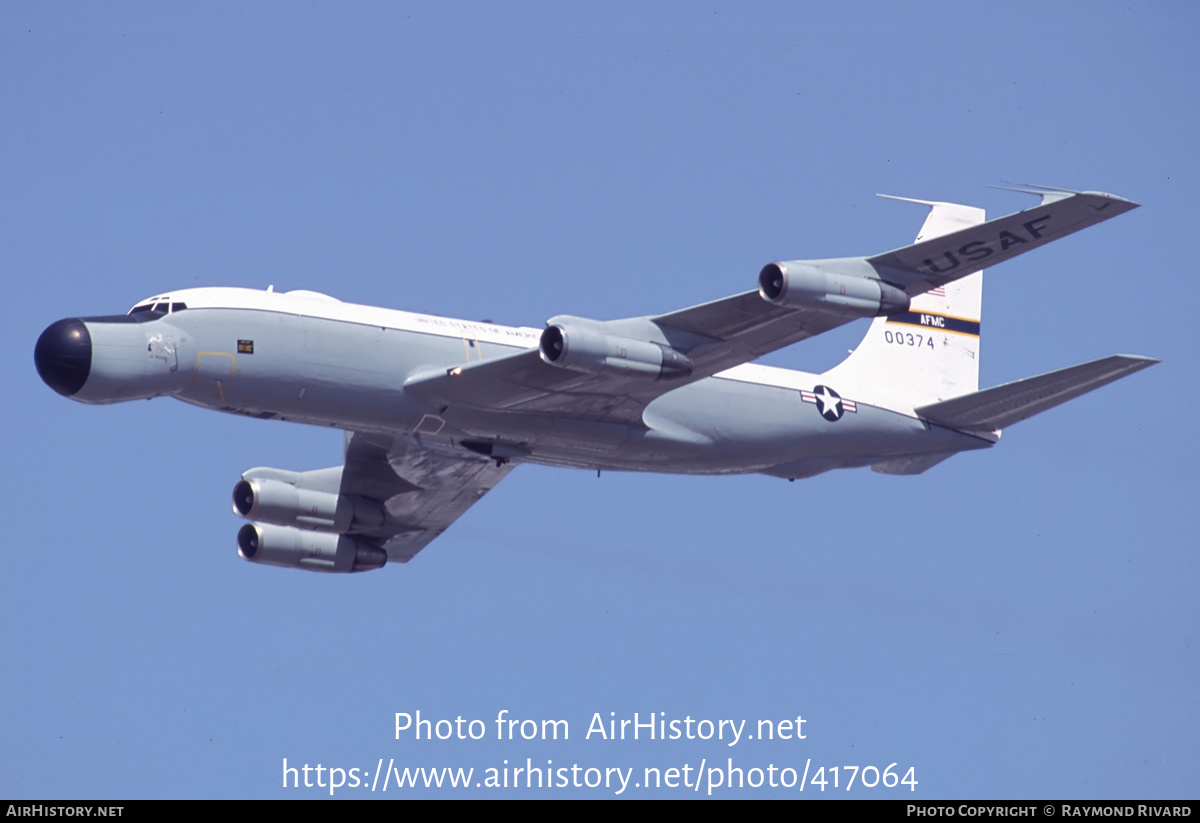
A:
[802, 285]
[307, 521]
[588, 349]
[290, 504]
[301, 549]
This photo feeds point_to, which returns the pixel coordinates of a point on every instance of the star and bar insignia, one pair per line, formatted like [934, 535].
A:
[829, 403]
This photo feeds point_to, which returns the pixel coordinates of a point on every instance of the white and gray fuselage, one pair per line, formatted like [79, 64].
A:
[308, 358]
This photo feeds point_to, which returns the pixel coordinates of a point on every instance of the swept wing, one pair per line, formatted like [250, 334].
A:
[424, 487]
[715, 336]
[393, 496]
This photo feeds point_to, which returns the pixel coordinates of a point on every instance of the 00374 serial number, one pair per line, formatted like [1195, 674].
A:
[907, 338]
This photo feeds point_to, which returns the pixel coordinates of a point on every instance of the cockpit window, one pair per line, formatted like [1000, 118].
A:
[158, 307]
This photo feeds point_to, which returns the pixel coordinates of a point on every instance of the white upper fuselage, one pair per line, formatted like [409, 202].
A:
[304, 303]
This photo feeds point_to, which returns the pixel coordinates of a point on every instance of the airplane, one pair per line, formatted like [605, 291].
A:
[437, 411]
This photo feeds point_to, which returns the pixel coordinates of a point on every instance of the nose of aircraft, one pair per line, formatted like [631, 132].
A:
[63, 356]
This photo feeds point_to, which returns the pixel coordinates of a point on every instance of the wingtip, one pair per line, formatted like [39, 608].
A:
[1133, 363]
[1141, 360]
[1051, 193]
[1128, 203]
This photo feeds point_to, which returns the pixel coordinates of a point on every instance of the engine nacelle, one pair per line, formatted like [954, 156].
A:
[290, 504]
[802, 285]
[586, 349]
[301, 549]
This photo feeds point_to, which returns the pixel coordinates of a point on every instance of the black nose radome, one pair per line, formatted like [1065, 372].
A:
[64, 356]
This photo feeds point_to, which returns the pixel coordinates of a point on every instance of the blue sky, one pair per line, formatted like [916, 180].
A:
[1015, 623]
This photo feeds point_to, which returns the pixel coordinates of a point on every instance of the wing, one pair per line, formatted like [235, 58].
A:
[424, 487]
[626, 364]
[714, 336]
[931, 263]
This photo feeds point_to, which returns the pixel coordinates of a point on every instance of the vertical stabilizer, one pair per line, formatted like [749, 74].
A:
[930, 352]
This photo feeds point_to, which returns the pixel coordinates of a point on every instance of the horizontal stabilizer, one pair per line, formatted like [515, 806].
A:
[995, 408]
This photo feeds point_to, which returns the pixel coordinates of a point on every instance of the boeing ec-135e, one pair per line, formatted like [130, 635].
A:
[437, 411]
